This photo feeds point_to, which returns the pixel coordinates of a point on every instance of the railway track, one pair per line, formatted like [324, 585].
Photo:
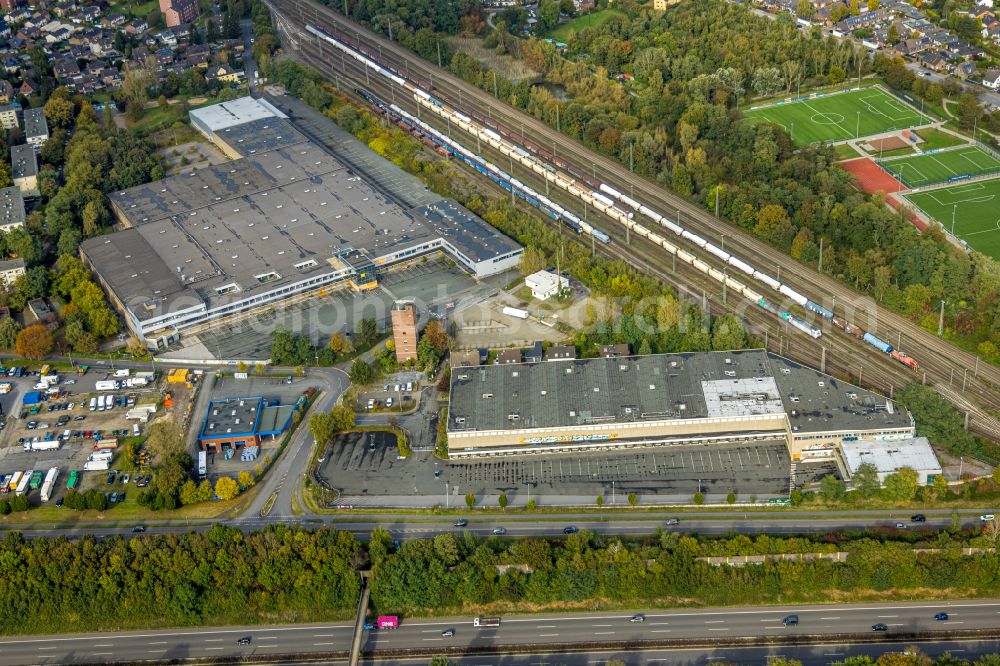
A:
[975, 380]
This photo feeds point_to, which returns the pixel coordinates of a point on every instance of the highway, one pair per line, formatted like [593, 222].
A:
[941, 360]
[531, 634]
[405, 526]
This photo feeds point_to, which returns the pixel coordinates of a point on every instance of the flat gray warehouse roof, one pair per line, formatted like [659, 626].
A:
[234, 112]
[259, 136]
[661, 387]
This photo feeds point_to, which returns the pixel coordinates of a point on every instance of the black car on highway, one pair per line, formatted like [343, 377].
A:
[790, 621]
[571, 529]
[941, 617]
[919, 518]
[243, 641]
[879, 627]
[461, 522]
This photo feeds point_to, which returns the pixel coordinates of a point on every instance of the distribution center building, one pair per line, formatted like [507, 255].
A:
[240, 422]
[283, 221]
[662, 399]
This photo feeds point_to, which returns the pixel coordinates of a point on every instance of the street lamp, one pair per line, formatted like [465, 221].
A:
[857, 127]
[954, 207]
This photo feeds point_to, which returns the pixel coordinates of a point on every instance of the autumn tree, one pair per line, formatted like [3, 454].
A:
[226, 488]
[34, 342]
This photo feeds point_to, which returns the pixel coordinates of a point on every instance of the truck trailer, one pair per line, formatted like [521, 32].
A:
[22, 484]
[515, 312]
[49, 484]
[97, 465]
[42, 446]
[202, 464]
[106, 385]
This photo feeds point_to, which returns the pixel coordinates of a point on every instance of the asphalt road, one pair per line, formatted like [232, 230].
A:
[543, 630]
[407, 526]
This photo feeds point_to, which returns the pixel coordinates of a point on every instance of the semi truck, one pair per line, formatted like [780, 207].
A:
[52, 445]
[49, 485]
[103, 454]
[136, 382]
[106, 385]
[13, 481]
[486, 622]
[22, 484]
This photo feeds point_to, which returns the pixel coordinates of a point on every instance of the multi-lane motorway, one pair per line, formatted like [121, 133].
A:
[406, 526]
[708, 629]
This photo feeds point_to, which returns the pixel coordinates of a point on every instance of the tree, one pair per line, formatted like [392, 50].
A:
[435, 334]
[9, 329]
[60, 110]
[189, 493]
[34, 342]
[832, 489]
[699, 498]
[322, 427]
[135, 89]
[340, 344]
[633, 499]
[731, 498]
[226, 488]
[804, 9]
[343, 418]
[968, 110]
[865, 480]
[502, 500]
[532, 260]
[902, 485]
[246, 479]
[367, 333]
[470, 499]
[599, 501]
[361, 373]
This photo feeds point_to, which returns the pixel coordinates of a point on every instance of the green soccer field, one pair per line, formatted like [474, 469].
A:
[931, 168]
[976, 208]
[841, 116]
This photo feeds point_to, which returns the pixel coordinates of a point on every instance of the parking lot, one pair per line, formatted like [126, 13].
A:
[760, 469]
[397, 393]
[64, 430]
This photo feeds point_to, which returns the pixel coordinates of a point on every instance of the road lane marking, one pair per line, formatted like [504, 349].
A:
[721, 621]
[322, 635]
[428, 631]
[47, 648]
[602, 625]
[267, 646]
[886, 616]
[158, 643]
[101, 654]
[719, 629]
[603, 633]
[268, 638]
[214, 640]
[781, 627]
[318, 644]
[213, 648]
[830, 618]
[660, 631]
[432, 639]
[546, 626]
[546, 635]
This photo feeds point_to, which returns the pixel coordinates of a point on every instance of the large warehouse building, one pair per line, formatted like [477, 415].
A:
[724, 397]
[279, 223]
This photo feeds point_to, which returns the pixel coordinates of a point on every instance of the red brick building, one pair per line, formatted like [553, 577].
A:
[404, 330]
[178, 12]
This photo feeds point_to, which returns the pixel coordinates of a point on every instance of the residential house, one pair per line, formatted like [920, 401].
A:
[11, 209]
[505, 356]
[991, 79]
[6, 92]
[222, 74]
[966, 70]
[24, 169]
[10, 271]
[560, 353]
[8, 116]
[28, 88]
[614, 351]
[36, 128]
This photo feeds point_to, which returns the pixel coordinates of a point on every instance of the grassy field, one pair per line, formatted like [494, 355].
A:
[934, 138]
[976, 210]
[842, 116]
[590, 20]
[931, 168]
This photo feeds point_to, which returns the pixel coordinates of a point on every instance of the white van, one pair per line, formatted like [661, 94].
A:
[93, 404]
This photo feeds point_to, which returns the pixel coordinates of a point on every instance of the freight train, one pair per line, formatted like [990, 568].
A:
[600, 196]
